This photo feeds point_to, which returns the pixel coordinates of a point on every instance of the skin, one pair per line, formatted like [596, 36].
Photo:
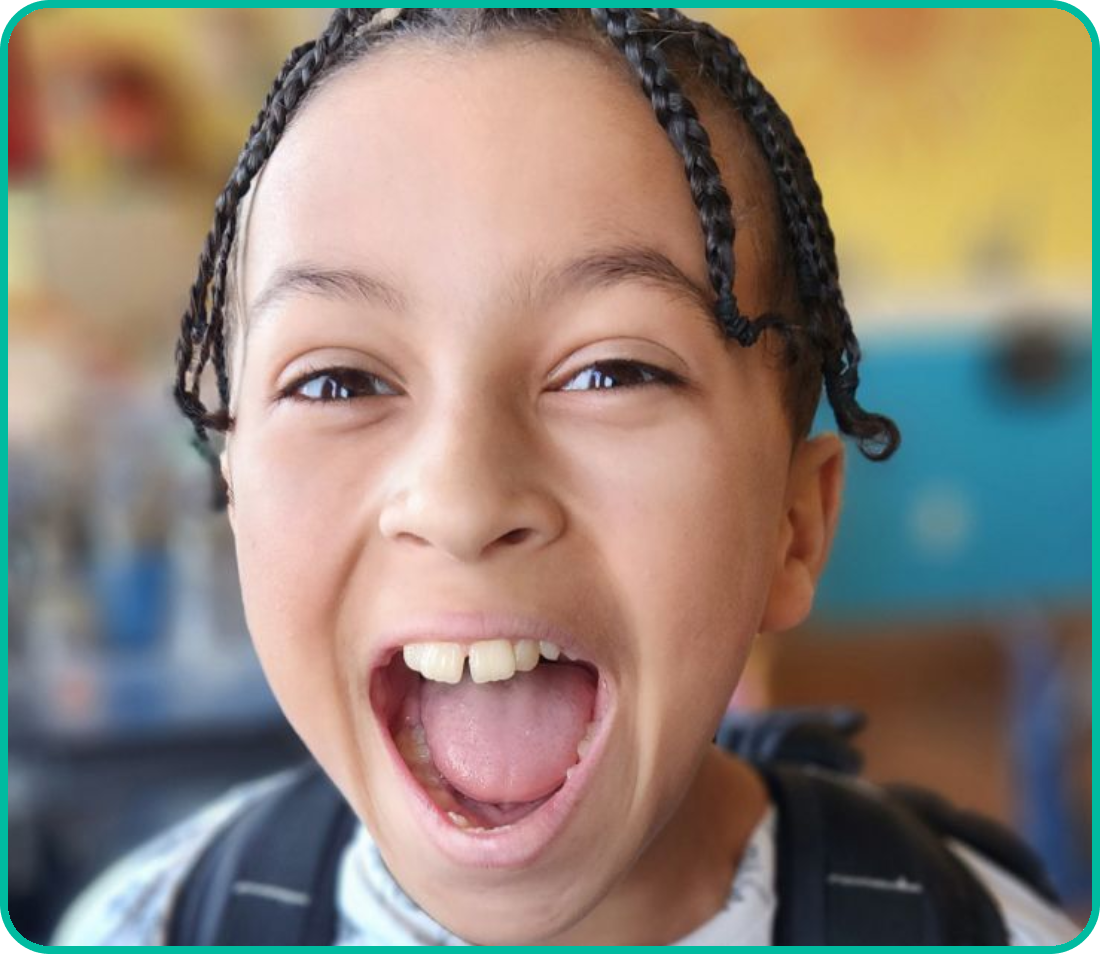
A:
[667, 526]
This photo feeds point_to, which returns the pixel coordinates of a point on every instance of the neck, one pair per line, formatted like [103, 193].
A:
[692, 860]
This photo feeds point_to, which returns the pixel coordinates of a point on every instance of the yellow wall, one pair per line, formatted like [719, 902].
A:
[940, 136]
[944, 139]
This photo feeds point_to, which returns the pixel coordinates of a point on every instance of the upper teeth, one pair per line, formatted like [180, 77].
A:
[491, 660]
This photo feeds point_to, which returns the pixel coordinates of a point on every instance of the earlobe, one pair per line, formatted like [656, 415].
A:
[806, 532]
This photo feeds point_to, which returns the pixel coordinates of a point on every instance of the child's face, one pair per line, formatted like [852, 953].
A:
[489, 477]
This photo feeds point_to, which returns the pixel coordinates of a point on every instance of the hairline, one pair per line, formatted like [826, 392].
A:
[777, 278]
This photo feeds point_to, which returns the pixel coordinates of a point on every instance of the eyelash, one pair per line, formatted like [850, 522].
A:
[347, 379]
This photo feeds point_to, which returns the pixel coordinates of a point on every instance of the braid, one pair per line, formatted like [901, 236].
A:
[203, 323]
[215, 341]
[679, 118]
[195, 320]
[801, 201]
[641, 38]
[877, 434]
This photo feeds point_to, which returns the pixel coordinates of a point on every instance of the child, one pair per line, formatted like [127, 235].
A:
[519, 320]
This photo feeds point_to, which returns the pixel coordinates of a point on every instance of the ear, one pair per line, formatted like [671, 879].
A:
[808, 523]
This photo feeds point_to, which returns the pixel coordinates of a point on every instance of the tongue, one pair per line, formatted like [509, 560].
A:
[512, 741]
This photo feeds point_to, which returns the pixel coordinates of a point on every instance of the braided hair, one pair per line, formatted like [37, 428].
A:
[821, 346]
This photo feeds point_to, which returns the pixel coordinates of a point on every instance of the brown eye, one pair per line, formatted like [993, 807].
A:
[618, 375]
[337, 384]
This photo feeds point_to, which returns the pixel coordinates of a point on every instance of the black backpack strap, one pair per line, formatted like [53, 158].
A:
[269, 877]
[988, 837]
[803, 736]
[854, 867]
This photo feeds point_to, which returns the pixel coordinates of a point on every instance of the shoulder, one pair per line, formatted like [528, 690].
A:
[129, 903]
[1028, 918]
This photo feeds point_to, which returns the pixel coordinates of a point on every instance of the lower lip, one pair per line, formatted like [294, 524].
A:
[520, 844]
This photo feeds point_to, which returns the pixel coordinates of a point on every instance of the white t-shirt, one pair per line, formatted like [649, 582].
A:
[130, 903]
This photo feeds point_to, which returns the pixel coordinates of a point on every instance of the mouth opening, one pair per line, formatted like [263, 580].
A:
[489, 754]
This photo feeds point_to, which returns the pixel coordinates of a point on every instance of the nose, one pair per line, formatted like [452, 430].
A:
[470, 484]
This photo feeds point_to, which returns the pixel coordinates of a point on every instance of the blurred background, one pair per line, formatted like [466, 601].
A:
[954, 151]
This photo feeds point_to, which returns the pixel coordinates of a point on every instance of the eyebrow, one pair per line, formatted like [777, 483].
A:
[622, 264]
[601, 268]
[339, 284]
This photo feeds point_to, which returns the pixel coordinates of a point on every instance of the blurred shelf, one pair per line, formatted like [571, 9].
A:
[119, 699]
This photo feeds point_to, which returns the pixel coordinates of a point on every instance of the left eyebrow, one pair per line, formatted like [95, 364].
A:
[606, 268]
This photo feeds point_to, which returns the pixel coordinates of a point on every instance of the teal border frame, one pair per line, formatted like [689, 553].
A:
[1053, 4]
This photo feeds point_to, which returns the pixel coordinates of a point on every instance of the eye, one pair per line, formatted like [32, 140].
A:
[620, 375]
[331, 385]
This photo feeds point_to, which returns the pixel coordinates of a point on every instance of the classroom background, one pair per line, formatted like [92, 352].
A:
[954, 148]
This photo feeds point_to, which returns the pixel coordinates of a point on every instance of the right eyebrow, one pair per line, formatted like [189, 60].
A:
[345, 284]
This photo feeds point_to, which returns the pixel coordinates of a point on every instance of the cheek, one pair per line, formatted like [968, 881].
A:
[293, 553]
[687, 517]
[688, 533]
[301, 496]
[284, 533]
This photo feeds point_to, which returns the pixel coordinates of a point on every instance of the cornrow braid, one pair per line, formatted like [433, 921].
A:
[195, 321]
[203, 322]
[679, 118]
[801, 201]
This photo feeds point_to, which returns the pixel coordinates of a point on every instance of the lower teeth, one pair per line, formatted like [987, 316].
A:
[412, 745]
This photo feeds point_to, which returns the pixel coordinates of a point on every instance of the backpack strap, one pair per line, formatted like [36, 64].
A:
[269, 877]
[804, 736]
[988, 837]
[855, 864]
[854, 867]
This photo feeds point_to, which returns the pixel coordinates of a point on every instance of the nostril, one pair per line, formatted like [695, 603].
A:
[516, 536]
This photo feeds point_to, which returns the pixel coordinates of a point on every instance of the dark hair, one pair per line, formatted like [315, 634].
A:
[820, 345]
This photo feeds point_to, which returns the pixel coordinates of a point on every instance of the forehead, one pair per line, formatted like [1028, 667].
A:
[440, 165]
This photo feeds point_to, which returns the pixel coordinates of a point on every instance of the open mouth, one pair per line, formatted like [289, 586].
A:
[490, 731]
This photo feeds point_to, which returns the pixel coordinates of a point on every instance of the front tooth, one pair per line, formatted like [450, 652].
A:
[548, 649]
[492, 661]
[442, 662]
[527, 655]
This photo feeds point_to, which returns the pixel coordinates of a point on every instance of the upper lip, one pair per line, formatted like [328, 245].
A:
[472, 627]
